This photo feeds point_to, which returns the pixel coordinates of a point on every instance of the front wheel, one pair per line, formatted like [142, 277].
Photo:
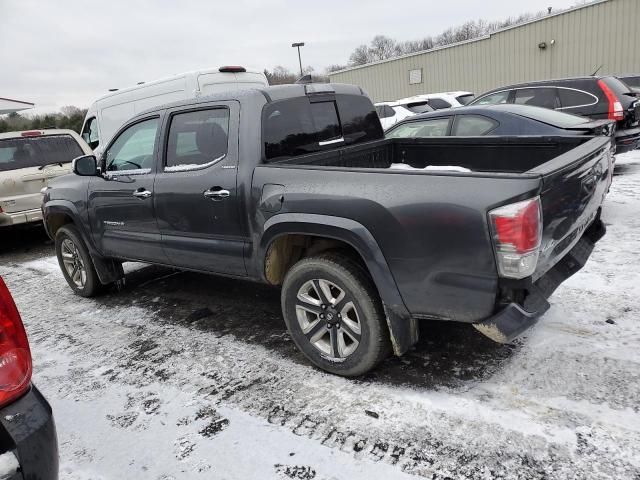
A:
[334, 315]
[75, 262]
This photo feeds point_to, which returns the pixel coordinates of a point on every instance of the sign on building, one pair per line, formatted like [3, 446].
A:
[415, 76]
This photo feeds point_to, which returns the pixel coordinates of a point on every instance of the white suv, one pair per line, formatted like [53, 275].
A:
[442, 100]
[28, 160]
[391, 113]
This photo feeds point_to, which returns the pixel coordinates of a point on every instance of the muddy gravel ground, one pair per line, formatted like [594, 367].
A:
[181, 375]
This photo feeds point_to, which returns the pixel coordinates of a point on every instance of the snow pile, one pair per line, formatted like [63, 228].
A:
[430, 168]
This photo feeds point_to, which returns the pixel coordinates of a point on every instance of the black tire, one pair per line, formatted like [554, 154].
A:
[91, 285]
[373, 344]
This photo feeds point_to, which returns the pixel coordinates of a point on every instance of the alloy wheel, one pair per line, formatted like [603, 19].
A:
[328, 318]
[73, 263]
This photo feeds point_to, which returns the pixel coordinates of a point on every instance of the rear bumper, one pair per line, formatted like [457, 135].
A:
[28, 440]
[515, 318]
[627, 140]
[18, 218]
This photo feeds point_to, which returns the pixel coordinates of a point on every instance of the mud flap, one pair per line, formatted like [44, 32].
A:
[403, 331]
[109, 271]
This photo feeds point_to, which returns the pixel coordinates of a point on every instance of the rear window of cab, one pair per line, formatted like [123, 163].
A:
[25, 152]
[304, 125]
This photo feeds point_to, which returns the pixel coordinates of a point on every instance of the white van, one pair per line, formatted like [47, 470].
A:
[107, 114]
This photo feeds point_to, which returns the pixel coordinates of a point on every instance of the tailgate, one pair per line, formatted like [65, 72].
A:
[574, 188]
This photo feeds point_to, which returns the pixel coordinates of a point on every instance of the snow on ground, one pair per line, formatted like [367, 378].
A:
[187, 376]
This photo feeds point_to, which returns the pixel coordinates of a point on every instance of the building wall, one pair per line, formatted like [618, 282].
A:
[603, 34]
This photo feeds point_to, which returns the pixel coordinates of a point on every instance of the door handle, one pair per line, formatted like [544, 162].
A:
[216, 193]
[142, 194]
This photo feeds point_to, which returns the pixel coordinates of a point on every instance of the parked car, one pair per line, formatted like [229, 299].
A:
[28, 161]
[443, 100]
[29, 447]
[500, 120]
[593, 97]
[633, 80]
[107, 114]
[292, 186]
[391, 113]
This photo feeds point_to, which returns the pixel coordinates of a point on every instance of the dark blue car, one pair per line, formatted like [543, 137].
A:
[498, 120]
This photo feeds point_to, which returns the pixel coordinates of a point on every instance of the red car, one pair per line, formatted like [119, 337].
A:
[28, 440]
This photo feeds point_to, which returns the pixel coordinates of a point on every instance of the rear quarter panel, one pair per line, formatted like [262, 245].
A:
[432, 228]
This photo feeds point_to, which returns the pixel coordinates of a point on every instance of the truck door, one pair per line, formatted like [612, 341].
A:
[196, 196]
[121, 209]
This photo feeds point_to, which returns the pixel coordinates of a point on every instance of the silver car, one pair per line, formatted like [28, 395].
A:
[28, 160]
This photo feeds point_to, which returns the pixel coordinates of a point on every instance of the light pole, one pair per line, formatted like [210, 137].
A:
[298, 45]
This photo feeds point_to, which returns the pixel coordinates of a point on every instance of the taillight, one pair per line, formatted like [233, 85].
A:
[517, 234]
[15, 356]
[32, 133]
[616, 112]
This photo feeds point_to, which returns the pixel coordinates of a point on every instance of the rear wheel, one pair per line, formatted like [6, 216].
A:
[334, 315]
[75, 262]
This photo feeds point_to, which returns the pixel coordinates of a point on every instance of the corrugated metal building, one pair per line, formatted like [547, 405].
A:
[569, 43]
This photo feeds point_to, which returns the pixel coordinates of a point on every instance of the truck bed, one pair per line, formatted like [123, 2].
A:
[432, 226]
[478, 154]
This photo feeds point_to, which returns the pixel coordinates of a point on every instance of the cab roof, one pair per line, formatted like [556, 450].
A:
[268, 94]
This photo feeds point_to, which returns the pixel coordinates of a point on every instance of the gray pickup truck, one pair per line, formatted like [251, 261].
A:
[296, 186]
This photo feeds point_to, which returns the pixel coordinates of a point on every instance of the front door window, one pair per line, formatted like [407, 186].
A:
[135, 147]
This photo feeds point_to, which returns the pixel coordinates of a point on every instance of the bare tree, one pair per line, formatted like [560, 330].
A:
[360, 56]
[280, 75]
[383, 47]
[335, 68]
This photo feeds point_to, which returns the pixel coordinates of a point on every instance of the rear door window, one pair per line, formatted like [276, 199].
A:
[472, 126]
[16, 153]
[545, 97]
[497, 98]
[197, 138]
[570, 98]
[435, 127]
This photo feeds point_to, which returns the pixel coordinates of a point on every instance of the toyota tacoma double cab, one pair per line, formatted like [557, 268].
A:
[367, 237]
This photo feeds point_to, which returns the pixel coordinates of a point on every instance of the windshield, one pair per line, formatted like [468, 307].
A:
[16, 153]
[545, 115]
[465, 99]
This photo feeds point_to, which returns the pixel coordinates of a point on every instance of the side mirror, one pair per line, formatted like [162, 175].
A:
[85, 166]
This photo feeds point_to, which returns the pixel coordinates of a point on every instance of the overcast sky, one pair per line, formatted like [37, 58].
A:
[69, 52]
